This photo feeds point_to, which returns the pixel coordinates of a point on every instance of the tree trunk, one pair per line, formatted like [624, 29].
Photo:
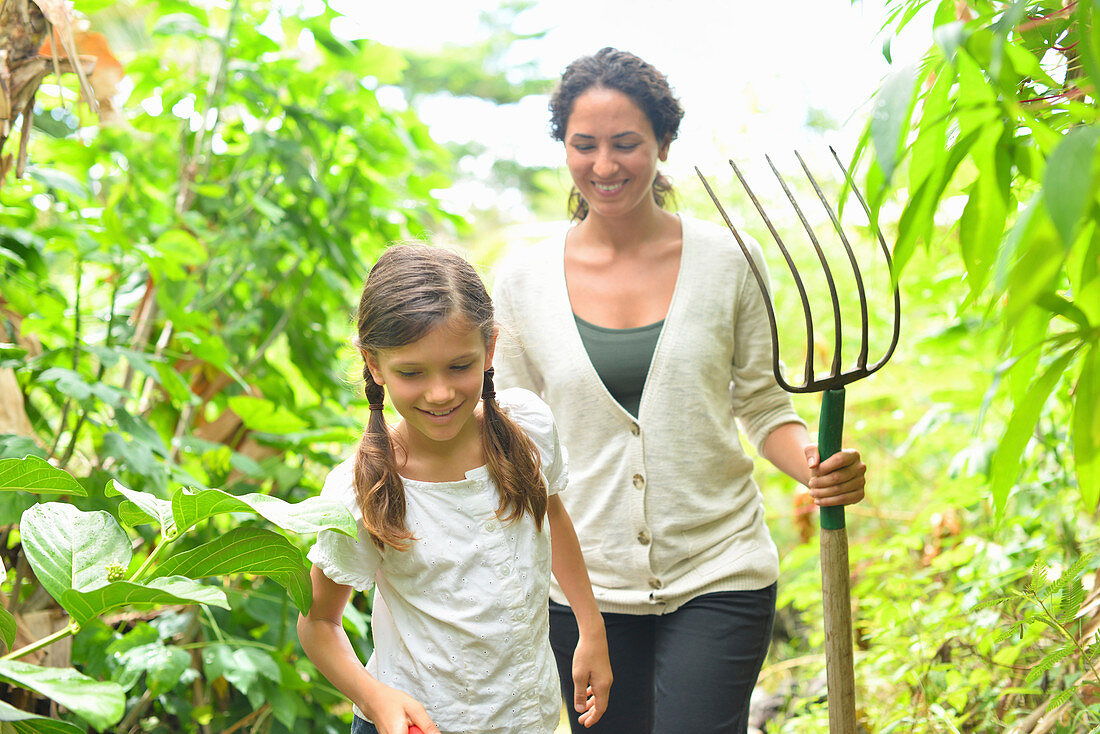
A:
[23, 27]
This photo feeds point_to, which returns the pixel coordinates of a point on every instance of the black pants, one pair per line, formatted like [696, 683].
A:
[689, 671]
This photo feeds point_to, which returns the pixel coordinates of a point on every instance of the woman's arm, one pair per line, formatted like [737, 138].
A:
[839, 480]
[591, 665]
[327, 645]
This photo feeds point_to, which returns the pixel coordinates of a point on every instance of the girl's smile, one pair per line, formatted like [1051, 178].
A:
[435, 384]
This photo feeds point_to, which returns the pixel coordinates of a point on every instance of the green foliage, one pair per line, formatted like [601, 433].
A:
[178, 283]
[479, 70]
[1006, 120]
[83, 558]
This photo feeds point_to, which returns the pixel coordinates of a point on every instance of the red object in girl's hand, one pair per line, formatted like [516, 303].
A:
[414, 729]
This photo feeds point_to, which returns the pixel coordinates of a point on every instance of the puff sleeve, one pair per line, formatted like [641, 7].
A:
[534, 417]
[348, 561]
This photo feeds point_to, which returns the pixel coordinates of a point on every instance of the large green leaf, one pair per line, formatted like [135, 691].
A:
[1067, 183]
[32, 474]
[264, 415]
[308, 516]
[241, 666]
[100, 703]
[161, 664]
[18, 721]
[89, 603]
[1086, 428]
[71, 549]
[142, 507]
[247, 550]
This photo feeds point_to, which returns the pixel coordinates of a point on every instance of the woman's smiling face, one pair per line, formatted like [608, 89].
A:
[612, 152]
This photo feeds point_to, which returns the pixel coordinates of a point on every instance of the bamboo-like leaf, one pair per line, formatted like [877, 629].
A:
[100, 703]
[1006, 460]
[89, 603]
[890, 117]
[308, 516]
[70, 549]
[142, 507]
[1067, 183]
[7, 628]
[32, 474]
[247, 550]
[983, 219]
[1086, 428]
[18, 721]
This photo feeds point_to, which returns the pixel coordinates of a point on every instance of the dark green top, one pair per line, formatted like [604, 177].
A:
[621, 358]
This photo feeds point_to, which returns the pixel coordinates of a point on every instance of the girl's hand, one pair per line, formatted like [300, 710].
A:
[839, 480]
[394, 712]
[591, 678]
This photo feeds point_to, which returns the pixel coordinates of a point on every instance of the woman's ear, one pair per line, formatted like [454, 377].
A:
[372, 366]
[662, 152]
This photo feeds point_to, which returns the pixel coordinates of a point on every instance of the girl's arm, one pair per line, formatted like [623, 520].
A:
[591, 665]
[327, 645]
[838, 480]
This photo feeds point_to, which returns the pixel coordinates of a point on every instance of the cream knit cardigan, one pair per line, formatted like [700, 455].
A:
[665, 505]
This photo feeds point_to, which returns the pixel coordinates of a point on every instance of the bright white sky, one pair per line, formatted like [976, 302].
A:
[746, 72]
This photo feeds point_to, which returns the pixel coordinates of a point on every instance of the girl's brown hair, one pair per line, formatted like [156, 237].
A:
[624, 72]
[411, 290]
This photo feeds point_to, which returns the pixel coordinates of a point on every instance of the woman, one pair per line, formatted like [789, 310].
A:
[646, 334]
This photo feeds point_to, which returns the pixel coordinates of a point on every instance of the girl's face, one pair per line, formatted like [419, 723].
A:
[435, 382]
[612, 152]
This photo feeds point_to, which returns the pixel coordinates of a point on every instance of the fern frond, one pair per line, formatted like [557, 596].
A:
[1073, 596]
[1060, 699]
[1049, 661]
[1038, 576]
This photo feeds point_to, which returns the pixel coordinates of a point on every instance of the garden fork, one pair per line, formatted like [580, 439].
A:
[834, 539]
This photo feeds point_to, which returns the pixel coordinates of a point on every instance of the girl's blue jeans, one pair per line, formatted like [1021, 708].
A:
[362, 726]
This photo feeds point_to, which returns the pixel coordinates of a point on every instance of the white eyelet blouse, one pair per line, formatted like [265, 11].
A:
[460, 620]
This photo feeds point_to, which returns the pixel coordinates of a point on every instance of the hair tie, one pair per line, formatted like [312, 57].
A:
[488, 392]
[376, 406]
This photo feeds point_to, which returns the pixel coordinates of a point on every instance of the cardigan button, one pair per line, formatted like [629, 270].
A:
[655, 583]
[643, 538]
[635, 429]
[639, 481]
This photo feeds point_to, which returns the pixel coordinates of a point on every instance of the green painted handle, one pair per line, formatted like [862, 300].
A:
[830, 431]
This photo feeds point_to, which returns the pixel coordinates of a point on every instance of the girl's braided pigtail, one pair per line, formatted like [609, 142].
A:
[378, 486]
[512, 459]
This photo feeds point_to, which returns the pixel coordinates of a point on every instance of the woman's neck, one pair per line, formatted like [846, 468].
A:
[627, 235]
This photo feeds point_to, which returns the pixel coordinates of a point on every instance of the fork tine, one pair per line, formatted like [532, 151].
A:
[759, 281]
[889, 263]
[837, 324]
[809, 361]
[861, 361]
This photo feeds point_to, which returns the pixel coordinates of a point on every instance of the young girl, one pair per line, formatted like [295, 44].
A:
[450, 504]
